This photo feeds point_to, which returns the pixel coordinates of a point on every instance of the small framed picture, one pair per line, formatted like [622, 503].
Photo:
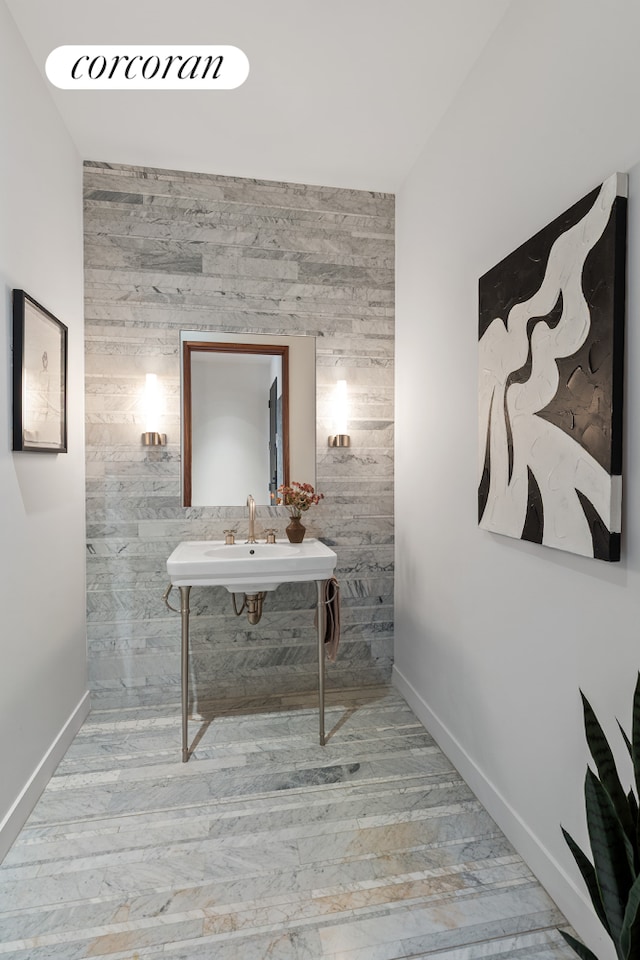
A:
[39, 377]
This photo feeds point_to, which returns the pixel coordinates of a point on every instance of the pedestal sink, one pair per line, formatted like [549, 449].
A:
[249, 568]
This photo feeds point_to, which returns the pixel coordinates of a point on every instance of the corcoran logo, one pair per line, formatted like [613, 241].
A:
[147, 68]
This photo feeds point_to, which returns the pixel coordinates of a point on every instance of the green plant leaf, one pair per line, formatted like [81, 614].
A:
[579, 948]
[589, 876]
[629, 936]
[626, 739]
[635, 735]
[606, 767]
[610, 849]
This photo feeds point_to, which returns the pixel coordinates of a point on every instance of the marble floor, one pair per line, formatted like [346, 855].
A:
[266, 845]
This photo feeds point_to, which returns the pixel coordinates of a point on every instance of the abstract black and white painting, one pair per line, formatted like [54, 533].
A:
[550, 381]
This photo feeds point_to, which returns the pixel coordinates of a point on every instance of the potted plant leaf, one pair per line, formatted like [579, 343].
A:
[612, 876]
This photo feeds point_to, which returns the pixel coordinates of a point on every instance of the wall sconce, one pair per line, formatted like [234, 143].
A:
[340, 414]
[152, 404]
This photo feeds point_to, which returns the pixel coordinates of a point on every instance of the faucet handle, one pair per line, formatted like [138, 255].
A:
[229, 536]
[271, 536]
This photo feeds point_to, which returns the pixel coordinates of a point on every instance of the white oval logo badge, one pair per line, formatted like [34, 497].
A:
[94, 67]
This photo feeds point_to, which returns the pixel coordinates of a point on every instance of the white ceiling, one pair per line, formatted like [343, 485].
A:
[340, 92]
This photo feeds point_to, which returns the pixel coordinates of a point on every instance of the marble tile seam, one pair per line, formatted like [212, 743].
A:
[267, 754]
[361, 562]
[100, 723]
[382, 937]
[238, 815]
[327, 258]
[336, 333]
[247, 818]
[253, 918]
[356, 364]
[378, 527]
[202, 304]
[136, 216]
[155, 633]
[245, 809]
[257, 920]
[442, 947]
[144, 603]
[344, 490]
[271, 754]
[240, 244]
[172, 188]
[268, 228]
[365, 738]
[161, 190]
[238, 318]
[235, 246]
[154, 286]
[263, 262]
[106, 168]
[352, 559]
[130, 352]
[141, 269]
[153, 862]
[375, 487]
[200, 938]
[256, 757]
[120, 201]
[346, 497]
[221, 634]
[335, 321]
[114, 214]
[470, 870]
[135, 842]
[203, 845]
[506, 947]
[106, 173]
[500, 872]
[320, 306]
[238, 767]
[269, 794]
[232, 195]
[336, 343]
[366, 530]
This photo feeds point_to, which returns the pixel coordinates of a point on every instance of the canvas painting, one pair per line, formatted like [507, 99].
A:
[551, 329]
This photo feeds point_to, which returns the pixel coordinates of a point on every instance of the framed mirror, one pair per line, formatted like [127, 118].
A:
[248, 416]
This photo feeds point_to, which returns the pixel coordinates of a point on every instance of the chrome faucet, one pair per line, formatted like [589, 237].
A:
[252, 520]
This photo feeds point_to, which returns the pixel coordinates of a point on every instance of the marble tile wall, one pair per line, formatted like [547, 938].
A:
[166, 251]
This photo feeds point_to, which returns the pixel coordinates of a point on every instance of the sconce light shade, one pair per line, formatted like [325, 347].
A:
[340, 437]
[152, 437]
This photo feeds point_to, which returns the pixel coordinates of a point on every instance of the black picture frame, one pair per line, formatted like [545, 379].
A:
[39, 378]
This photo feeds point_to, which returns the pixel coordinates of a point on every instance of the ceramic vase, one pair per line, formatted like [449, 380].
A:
[295, 530]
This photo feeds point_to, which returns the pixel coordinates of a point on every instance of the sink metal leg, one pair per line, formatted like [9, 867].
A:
[320, 617]
[184, 613]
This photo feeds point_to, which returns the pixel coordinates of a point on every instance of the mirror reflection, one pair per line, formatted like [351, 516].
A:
[248, 416]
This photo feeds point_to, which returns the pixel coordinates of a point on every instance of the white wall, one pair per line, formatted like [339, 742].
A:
[494, 636]
[42, 639]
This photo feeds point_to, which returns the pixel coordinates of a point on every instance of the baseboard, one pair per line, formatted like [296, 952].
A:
[572, 902]
[28, 797]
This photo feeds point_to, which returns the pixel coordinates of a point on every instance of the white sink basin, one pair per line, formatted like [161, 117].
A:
[249, 567]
